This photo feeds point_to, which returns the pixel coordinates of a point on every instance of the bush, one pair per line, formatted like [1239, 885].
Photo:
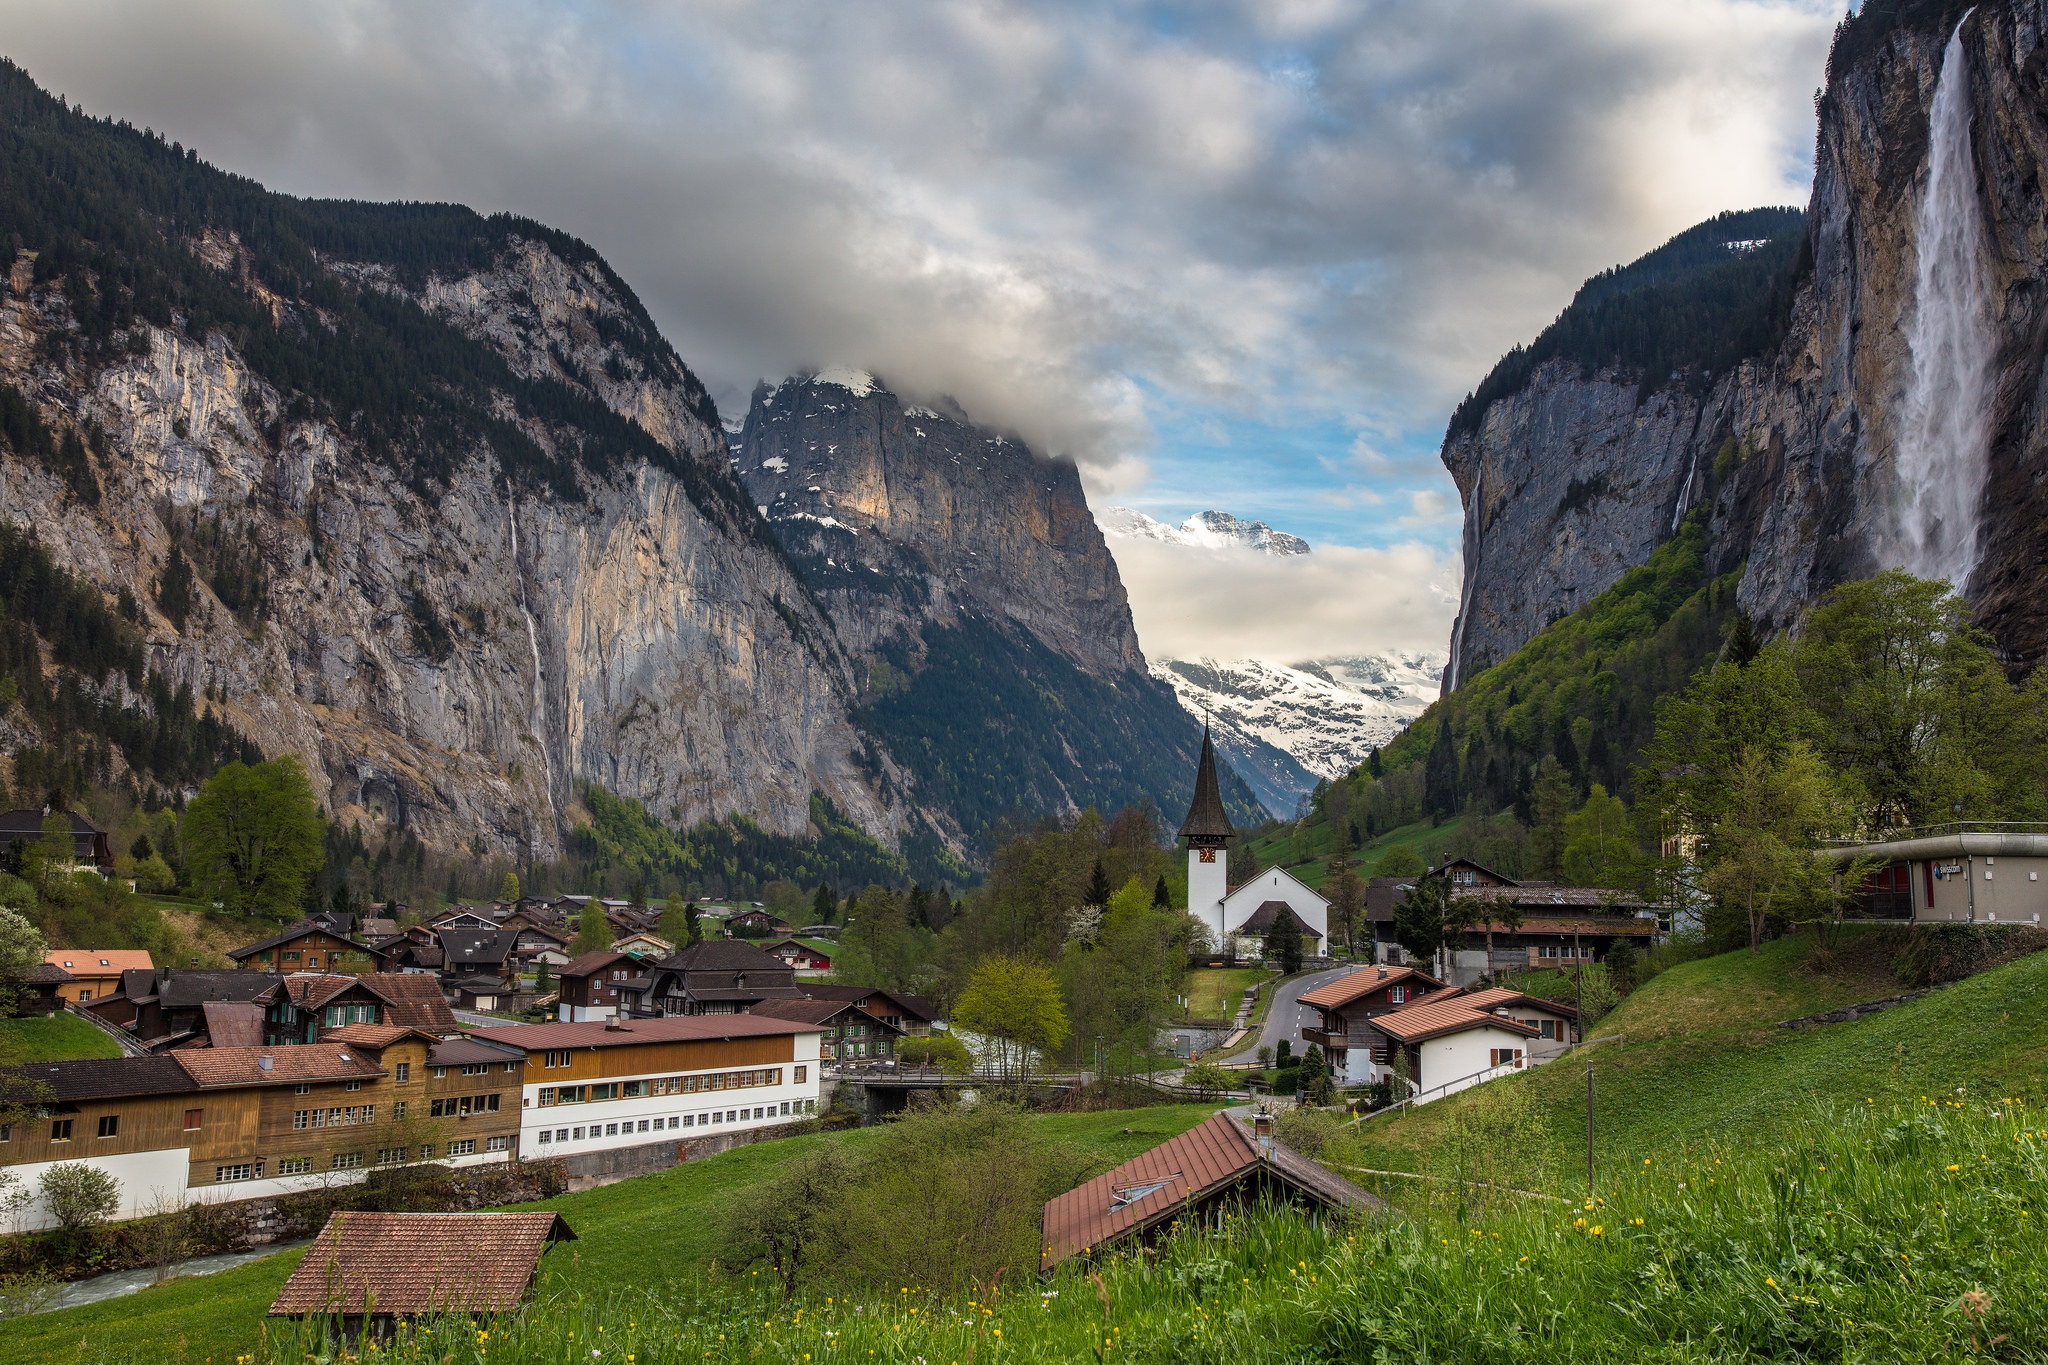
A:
[80, 1197]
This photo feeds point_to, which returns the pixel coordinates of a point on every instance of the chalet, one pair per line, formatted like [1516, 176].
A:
[481, 962]
[640, 1081]
[164, 1008]
[802, 955]
[411, 950]
[900, 1010]
[644, 946]
[308, 1008]
[462, 917]
[1356, 1052]
[371, 1271]
[1955, 873]
[589, 986]
[41, 993]
[717, 976]
[756, 924]
[1517, 925]
[309, 947]
[1457, 1039]
[1216, 1168]
[850, 1033]
[531, 941]
[226, 1123]
[95, 972]
[90, 850]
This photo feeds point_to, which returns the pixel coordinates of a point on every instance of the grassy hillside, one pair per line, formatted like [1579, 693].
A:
[658, 1232]
[1695, 1055]
[61, 1039]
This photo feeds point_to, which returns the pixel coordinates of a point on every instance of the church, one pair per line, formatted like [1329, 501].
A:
[1240, 916]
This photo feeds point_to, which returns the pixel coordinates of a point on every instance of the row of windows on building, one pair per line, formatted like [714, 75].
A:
[109, 1125]
[664, 1085]
[353, 1161]
[628, 1127]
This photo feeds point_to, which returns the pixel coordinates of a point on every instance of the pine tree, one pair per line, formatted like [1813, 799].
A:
[1098, 886]
[1162, 899]
[824, 904]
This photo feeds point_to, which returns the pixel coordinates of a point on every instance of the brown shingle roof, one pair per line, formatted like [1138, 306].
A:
[914, 1005]
[1272, 915]
[1364, 981]
[412, 999]
[420, 1263]
[219, 1066]
[1152, 1187]
[101, 1078]
[1206, 817]
[233, 1023]
[1435, 1016]
[590, 963]
[672, 1029]
[375, 1037]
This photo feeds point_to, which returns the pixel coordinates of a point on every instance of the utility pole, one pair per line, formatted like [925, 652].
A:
[1589, 1125]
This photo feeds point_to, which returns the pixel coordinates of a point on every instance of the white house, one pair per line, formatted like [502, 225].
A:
[592, 1086]
[1246, 912]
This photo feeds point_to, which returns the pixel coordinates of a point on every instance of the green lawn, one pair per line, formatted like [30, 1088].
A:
[655, 1230]
[1425, 838]
[64, 1038]
[1215, 992]
[1695, 1055]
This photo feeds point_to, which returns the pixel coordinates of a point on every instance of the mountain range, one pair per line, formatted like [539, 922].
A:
[424, 498]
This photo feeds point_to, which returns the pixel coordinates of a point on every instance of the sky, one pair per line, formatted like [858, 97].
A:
[1235, 255]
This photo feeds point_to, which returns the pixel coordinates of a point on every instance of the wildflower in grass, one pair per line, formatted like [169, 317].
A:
[1771, 1282]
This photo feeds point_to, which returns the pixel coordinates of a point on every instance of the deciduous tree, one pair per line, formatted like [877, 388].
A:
[253, 836]
[1016, 1004]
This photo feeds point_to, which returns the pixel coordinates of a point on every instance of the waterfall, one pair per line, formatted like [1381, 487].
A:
[539, 718]
[1472, 516]
[1944, 437]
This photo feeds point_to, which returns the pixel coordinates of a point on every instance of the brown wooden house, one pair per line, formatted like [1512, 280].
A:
[310, 947]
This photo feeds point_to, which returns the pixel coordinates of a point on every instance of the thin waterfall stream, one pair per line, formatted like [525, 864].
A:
[1945, 425]
[539, 717]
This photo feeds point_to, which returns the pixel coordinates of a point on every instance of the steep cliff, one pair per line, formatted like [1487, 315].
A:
[966, 574]
[1573, 468]
[458, 523]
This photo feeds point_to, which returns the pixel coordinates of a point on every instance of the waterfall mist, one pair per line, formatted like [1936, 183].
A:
[1944, 432]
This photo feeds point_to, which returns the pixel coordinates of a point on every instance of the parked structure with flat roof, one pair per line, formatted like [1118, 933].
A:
[1972, 873]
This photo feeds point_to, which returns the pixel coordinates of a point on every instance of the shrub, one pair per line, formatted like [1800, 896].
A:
[80, 1197]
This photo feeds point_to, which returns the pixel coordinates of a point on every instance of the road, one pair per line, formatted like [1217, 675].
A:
[1285, 1018]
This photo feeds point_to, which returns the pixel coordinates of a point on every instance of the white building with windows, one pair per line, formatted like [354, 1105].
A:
[1239, 918]
[626, 1083]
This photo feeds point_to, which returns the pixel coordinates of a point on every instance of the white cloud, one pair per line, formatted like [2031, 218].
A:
[1193, 603]
[1046, 209]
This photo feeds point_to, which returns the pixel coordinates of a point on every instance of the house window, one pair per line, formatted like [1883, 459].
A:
[475, 1068]
[440, 1073]
[579, 1135]
[611, 1130]
[6, 1132]
[223, 1175]
[466, 1147]
[354, 1085]
[511, 1068]
[562, 1134]
[110, 1125]
[633, 1090]
[1464, 876]
[192, 1119]
[348, 1161]
[800, 1074]
[546, 1135]
[292, 956]
[606, 1090]
[1397, 994]
[404, 1070]
[294, 1165]
[60, 1130]
[387, 1156]
[302, 1089]
[398, 1112]
[556, 1059]
[500, 1143]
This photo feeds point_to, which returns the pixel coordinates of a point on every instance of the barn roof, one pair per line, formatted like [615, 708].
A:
[405, 1263]
[1153, 1186]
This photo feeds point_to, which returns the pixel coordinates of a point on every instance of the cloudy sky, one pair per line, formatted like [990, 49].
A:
[1244, 256]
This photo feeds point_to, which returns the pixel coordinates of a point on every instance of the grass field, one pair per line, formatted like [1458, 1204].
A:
[1427, 839]
[658, 1231]
[1215, 992]
[1694, 1054]
[63, 1038]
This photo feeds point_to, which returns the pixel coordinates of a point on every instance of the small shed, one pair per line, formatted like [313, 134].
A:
[370, 1269]
[1217, 1165]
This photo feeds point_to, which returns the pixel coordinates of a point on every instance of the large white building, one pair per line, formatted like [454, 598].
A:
[1239, 917]
[637, 1081]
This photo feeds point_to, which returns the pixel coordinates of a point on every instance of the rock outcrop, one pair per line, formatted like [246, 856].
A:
[1575, 476]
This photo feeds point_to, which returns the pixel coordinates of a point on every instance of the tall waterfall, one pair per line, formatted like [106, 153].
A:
[539, 717]
[1944, 436]
[1465, 595]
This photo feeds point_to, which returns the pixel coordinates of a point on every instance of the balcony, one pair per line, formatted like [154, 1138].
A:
[1330, 1040]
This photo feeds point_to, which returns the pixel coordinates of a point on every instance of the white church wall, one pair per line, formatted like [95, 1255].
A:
[1277, 884]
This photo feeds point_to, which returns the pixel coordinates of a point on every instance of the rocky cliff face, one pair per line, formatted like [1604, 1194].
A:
[1571, 479]
[907, 515]
[966, 576]
[456, 596]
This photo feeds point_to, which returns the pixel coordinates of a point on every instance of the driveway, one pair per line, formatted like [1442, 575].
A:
[1288, 1014]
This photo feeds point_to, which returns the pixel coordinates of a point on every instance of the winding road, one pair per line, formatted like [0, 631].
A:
[1288, 1014]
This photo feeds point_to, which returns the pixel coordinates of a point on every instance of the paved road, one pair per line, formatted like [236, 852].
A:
[1285, 1018]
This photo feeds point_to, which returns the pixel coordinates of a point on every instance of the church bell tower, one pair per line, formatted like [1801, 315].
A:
[1207, 830]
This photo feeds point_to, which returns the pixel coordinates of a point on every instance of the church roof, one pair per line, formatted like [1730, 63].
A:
[1206, 817]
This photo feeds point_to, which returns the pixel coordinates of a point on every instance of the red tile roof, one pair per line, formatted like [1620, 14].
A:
[587, 964]
[413, 999]
[233, 1023]
[99, 961]
[228, 1066]
[1437, 1015]
[376, 1037]
[1364, 981]
[1497, 996]
[672, 1029]
[375, 1263]
[1153, 1186]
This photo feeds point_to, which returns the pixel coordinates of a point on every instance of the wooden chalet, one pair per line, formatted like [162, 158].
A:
[94, 973]
[900, 1010]
[717, 976]
[309, 946]
[850, 1033]
[1346, 1004]
[588, 988]
[89, 847]
[369, 1271]
[802, 955]
[1219, 1166]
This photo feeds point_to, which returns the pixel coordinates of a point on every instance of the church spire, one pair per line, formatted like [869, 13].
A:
[1206, 823]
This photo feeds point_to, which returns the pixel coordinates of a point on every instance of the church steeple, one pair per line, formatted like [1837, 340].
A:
[1207, 822]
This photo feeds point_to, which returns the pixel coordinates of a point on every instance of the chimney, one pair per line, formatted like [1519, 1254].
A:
[1383, 970]
[1262, 1130]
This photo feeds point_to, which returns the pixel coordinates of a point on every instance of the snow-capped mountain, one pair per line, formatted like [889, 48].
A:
[1285, 727]
[1209, 530]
